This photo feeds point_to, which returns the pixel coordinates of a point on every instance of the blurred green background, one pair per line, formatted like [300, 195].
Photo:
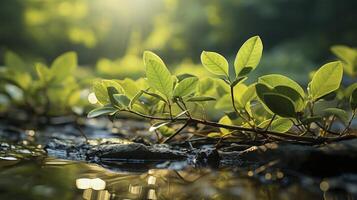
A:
[111, 35]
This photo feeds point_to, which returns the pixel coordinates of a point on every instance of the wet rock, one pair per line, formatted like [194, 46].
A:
[206, 157]
[135, 151]
[93, 151]
[325, 160]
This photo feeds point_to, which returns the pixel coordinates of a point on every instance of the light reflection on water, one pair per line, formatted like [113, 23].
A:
[49, 178]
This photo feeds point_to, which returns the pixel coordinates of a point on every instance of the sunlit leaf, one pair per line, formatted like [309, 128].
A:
[205, 86]
[130, 87]
[135, 98]
[166, 131]
[224, 103]
[248, 55]
[14, 62]
[248, 95]
[158, 76]
[100, 90]
[326, 80]
[280, 125]
[215, 63]
[185, 87]
[273, 80]
[214, 135]
[226, 121]
[64, 65]
[348, 56]
[43, 72]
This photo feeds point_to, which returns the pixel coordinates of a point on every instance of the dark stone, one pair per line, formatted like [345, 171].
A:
[135, 151]
[81, 150]
[325, 160]
[207, 157]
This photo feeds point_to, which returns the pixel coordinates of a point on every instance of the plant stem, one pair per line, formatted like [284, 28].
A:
[170, 109]
[236, 110]
[287, 135]
[177, 132]
[349, 122]
[271, 121]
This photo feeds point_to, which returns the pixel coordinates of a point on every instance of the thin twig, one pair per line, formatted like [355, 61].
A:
[177, 132]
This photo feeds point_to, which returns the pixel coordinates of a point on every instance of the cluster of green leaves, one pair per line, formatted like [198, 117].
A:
[348, 56]
[275, 103]
[41, 89]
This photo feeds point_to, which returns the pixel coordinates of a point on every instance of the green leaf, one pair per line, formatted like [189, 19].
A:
[43, 72]
[111, 92]
[339, 113]
[353, 99]
[226, 121]
[293, 95]
[280, 125]
[262, 89]
[130, 87]
[348, 91]
[158, 76]
[205, 85]
[64, 65]
[122, 100]
[214, 135]
[326, 80]
[248, 95]
[214, 63]
[201, 98]
[166, 131]
[309, 120]
[185, 87]
[348, 56]
[273, 80]
[280, 104]
[157, 96]
[106, 110]
[135, 98]
[101, 92]
[248, 56]
[13, 61]
[225, 103]
[238, 81]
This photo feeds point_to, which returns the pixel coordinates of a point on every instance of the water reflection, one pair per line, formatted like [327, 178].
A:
[48, 178]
